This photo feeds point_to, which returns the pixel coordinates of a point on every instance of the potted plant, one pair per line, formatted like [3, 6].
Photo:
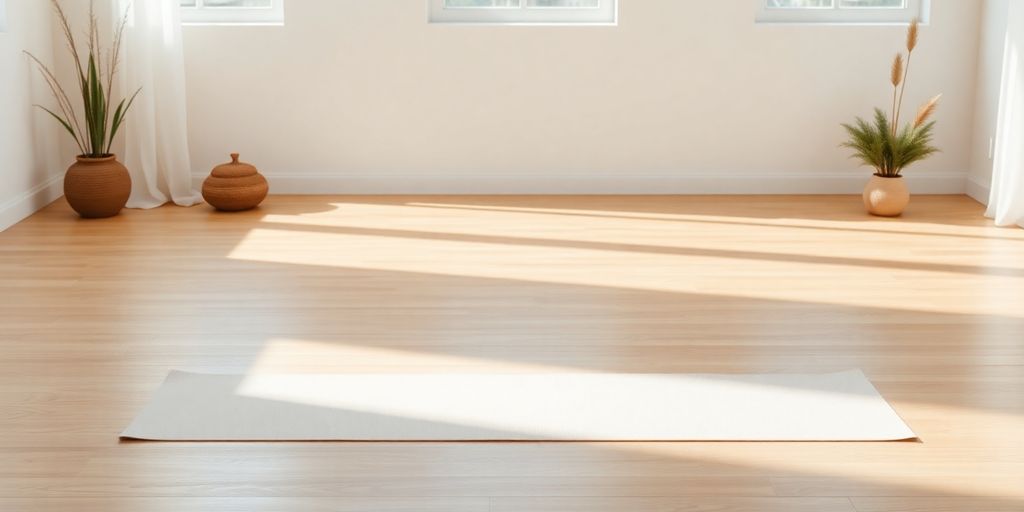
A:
[889, 149]
[96, 185]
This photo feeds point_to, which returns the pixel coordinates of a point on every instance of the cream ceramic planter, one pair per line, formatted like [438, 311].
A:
[886, 197]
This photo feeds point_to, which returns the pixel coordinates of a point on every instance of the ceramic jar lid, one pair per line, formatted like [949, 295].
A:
[235, 169]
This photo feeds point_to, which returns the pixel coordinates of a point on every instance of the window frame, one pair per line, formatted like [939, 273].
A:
[837, 15]
[202, 15]
[607, 13]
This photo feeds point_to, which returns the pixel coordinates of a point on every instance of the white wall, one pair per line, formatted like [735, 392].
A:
[682, 96]
[29, 143]
[990, 75]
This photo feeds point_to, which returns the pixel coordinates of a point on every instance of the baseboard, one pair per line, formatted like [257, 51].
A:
[978, 191]
[26, 204]
[597, 183]
[19, 208]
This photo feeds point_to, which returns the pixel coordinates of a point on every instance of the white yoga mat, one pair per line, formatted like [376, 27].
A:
[518, 407]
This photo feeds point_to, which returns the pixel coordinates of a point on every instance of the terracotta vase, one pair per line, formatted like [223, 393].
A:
[235, 186]
[886, 196]
[97, 188]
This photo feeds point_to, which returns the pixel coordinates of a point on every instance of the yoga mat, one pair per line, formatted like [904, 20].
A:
[518, 407]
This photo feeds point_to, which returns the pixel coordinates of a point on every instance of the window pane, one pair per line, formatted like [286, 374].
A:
[564, 3]
[899, 4]
[481, 3]
[188, 3]
[237, 3]
[799, 4]
[532, 12]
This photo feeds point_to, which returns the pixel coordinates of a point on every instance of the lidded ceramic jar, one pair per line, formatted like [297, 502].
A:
[235, 186]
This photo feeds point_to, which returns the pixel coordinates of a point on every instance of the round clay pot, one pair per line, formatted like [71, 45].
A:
[97, 188]
[235, 186]
[886, 197]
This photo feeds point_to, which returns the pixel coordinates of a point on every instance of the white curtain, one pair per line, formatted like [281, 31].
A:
[1006, 202]
[156, 133]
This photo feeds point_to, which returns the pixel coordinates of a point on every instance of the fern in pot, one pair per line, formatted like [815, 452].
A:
[884, 145]
[96, 185]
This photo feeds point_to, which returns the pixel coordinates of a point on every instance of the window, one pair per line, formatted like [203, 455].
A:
[526, 12]
[241, 12]
[3, 16]
[841, 11]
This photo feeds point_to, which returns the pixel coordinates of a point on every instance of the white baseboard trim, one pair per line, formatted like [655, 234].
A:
[617, 183]
[978, 191]
[24, 205]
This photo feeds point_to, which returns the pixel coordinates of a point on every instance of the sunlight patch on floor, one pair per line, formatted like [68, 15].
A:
[867, 287]
[916, 471]
[289, 355]
[417, 215]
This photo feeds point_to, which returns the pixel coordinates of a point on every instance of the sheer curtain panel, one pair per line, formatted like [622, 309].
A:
[156, 130]
[1006, 202]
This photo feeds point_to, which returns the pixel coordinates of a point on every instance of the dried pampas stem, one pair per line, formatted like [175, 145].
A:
[926, 111]
[912, 35]
[897, 70]
[896, 77]
[911, 44]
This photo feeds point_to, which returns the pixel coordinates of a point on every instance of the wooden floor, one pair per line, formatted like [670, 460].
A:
[95, 313]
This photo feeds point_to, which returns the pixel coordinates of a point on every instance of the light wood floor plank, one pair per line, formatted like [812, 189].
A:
[935, 505]
[672, 504]
[376, 504]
